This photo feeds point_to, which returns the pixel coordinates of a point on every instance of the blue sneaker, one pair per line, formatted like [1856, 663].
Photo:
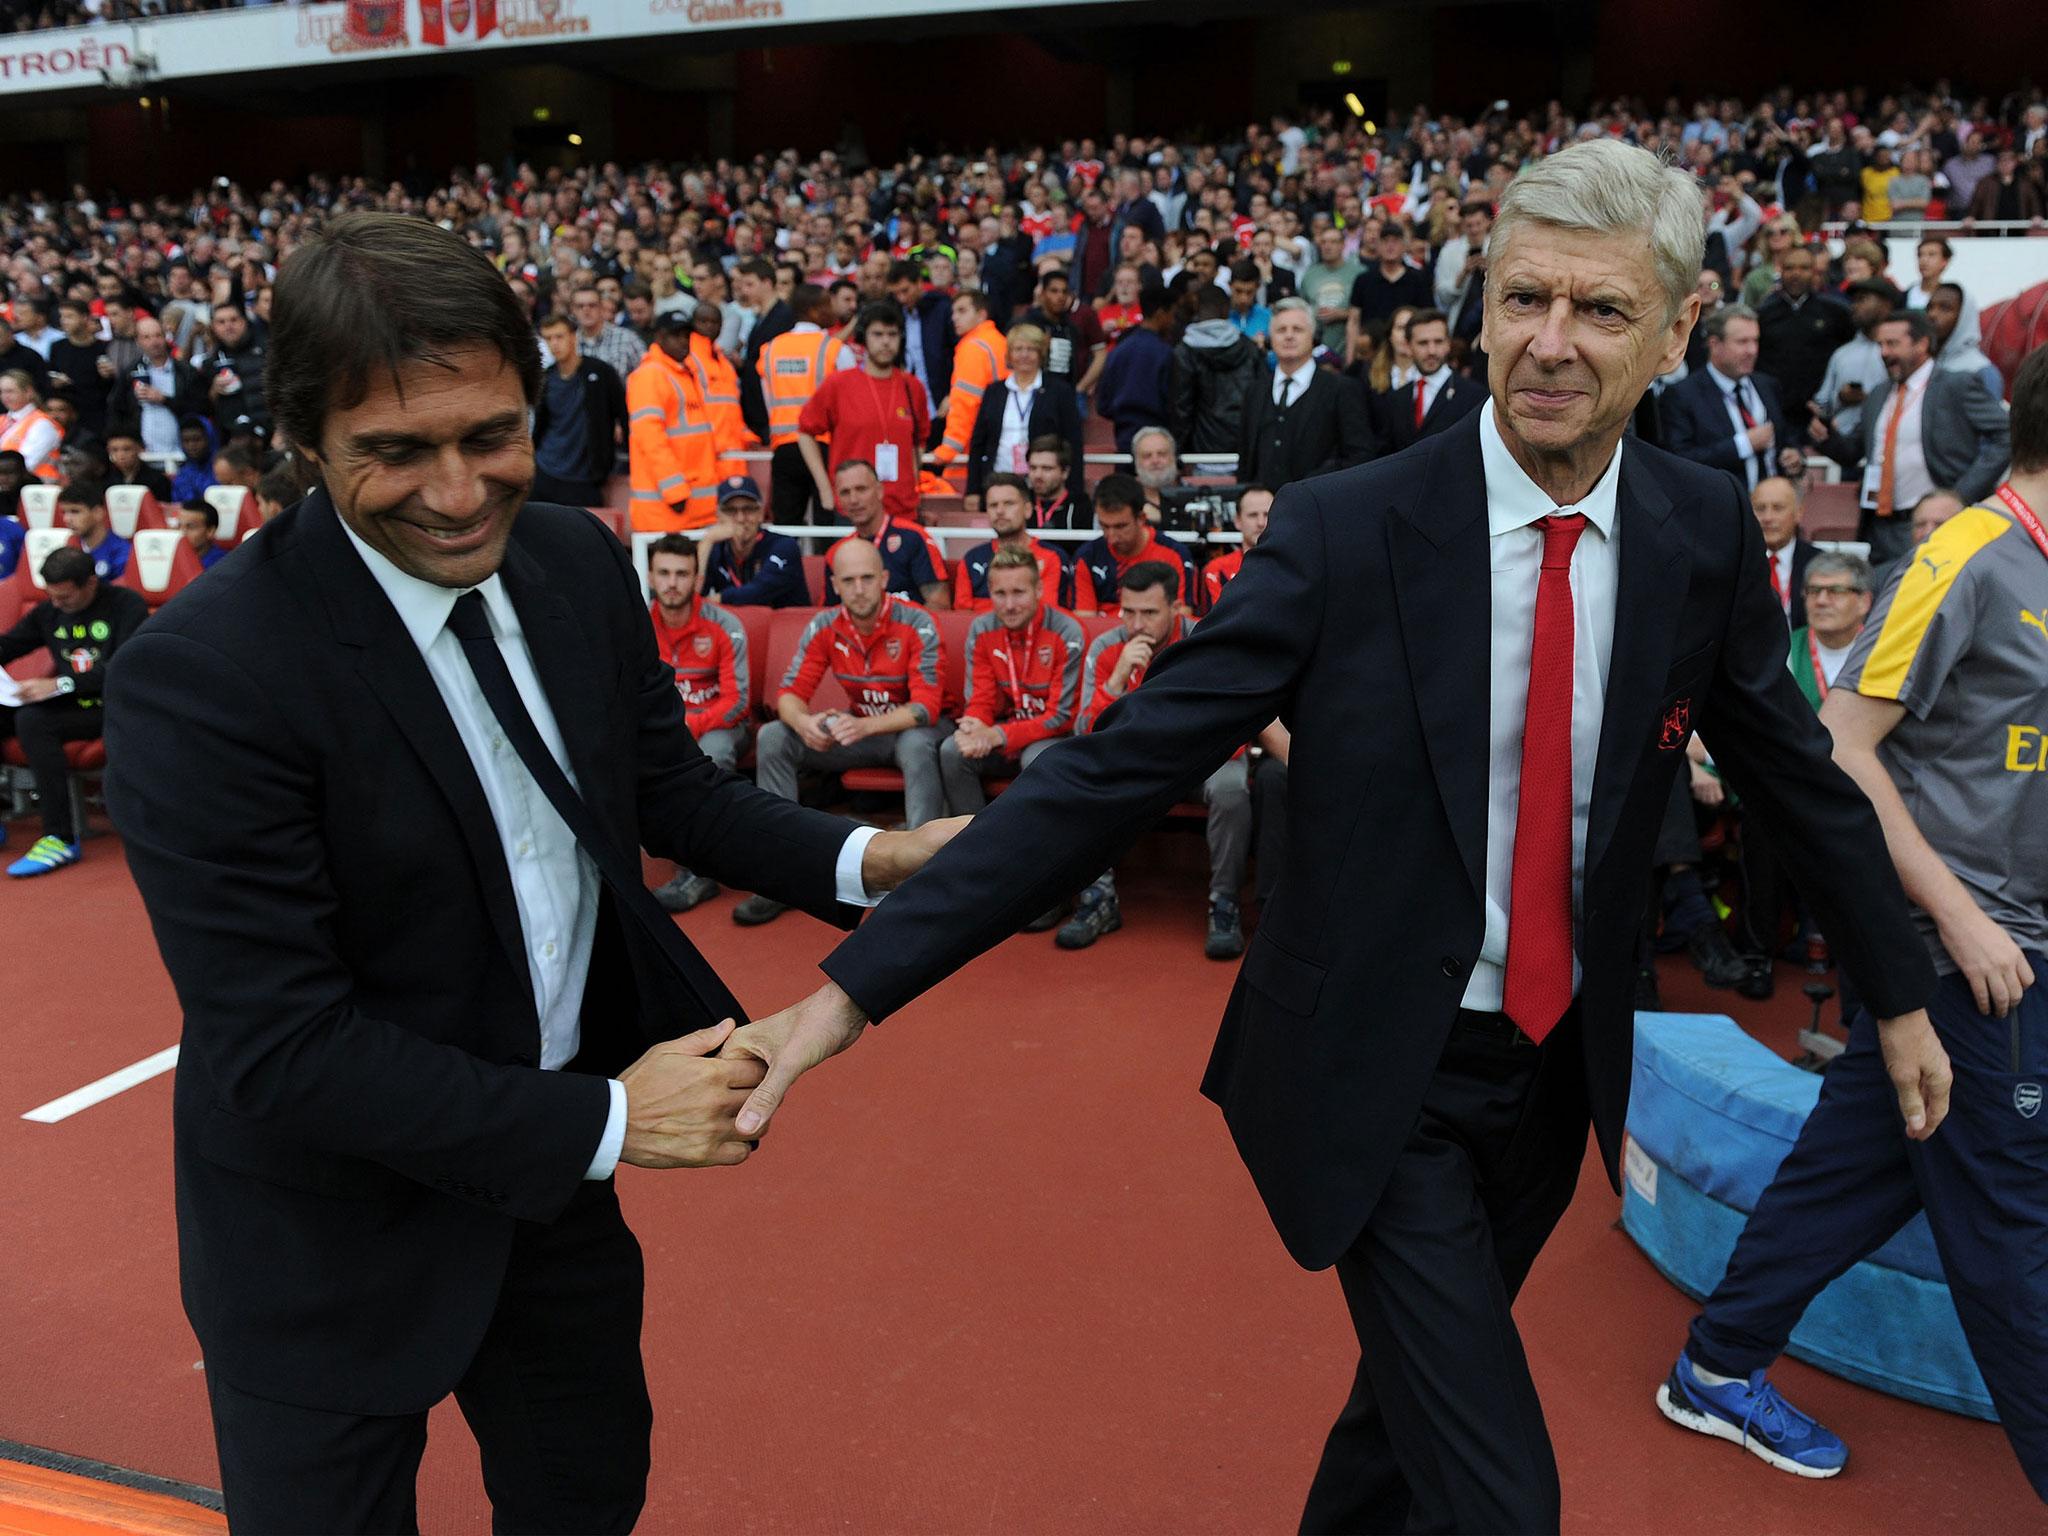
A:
[1754, 1416]
[46, 854]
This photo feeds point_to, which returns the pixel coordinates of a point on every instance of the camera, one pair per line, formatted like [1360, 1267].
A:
[1199, 509]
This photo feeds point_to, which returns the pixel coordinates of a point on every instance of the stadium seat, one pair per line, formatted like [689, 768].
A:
[946, 512]
[643, 553]
[39, 506]
[953, 629]
[1831, 511]
[131, 508]
[785, 626]
[760, 687]
[817, 578]
[161, 567]
[82, 757]
[35, 549]
[615, 518]
[239, 516]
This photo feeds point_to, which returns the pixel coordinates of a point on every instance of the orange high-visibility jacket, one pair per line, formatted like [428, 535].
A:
[670, 447]
[792, 366]
[720, 381]
[15, 434]
[982, 358]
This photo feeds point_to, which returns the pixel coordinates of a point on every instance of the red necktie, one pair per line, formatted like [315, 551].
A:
[1539, 978]
[1741, 405]
[1420, 386]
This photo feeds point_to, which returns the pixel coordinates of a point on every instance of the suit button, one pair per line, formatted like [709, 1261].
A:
[1452, 965]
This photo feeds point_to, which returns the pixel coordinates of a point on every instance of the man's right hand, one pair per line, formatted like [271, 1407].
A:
[1997, 969]
[1919, 1070]
[825, 498]
[815, 733]
[680, 1102]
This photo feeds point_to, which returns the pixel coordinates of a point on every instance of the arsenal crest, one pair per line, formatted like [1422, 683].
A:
[893, 647]
[701, 645]
[1677, 727]
[1045, 655]
[2026, 1098]
[895, 542]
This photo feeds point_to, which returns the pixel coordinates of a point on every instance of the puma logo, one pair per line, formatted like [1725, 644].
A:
[1934, 566]
[2038, 620]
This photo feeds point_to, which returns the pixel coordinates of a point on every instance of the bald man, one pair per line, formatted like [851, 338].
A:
[1777, 503]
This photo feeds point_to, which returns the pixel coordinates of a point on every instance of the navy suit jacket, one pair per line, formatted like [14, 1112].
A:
[1696, 425]
[1360, 621]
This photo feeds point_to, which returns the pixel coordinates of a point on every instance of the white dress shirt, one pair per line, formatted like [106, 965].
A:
[554, 882]
[1300, 375]
[1016, 434]
[1432, 386]
[1911, 478]
[1781, 564]
[1752, 467]
[1513, 504]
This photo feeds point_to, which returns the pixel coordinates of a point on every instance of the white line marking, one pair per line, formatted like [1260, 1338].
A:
[113, 1083]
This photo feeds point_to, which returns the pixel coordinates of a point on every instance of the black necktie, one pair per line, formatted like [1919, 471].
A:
[709, 998]
[1286, 389]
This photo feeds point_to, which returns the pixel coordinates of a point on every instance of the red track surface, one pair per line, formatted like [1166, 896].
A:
[998, 1270]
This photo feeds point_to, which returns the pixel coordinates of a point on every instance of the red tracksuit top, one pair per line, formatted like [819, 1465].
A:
[1027, 682]
[897, 664]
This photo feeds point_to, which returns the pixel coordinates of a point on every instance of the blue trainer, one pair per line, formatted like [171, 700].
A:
[46, 854]
[1753, 1415]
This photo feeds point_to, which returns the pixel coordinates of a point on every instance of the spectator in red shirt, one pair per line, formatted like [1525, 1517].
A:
[1023, 684]
[707, 647]
[877, 412]
[1116, 663]
[916, 567]
[1006, 500]
[885, 654]
[1127, 541]
[1254, 510]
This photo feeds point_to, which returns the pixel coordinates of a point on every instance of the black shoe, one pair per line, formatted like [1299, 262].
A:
[1098, 914]
[1047, 920]
[1715, 956]
[1648, 998]
[756, 910]
[1226, 931]
[685, 891]
[1758, 982]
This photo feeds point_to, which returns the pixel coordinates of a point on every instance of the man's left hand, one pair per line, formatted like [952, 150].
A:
[1919, 1070]
[893, 857]
[1792, 461]
[36, 689]
[792, 1042]
[847, 729]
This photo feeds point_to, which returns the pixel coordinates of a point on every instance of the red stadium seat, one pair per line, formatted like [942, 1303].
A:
[240, 516]
[785, 626]
[946, 512]
[161, 567]
[82, 757]
[131, 508]
[760, 688]
[953, 657]
[39, 506]
[817, 578]
[617, 519]
[35, 549]
[1831, 511]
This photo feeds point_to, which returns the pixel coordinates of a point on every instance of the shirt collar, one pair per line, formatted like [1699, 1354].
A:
[1919, 377]
[1514, 501]
[1300, 373]
[422, 607]
[1437, 378]
[1010, 383]
[805, 328]
[1721, 380]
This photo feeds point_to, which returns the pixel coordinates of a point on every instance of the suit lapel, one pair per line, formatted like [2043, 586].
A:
[395, 674]
[1443, 586]
[1650, 593]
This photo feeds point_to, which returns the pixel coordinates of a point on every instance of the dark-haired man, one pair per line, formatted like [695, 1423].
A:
[81, 622]
[1055, 503]
[579, 422]
[198, 523]
[1006, 501]
[1075, 347]
[127, 466]
[876, 412]
[83, 506]
[1126, 541]
[927, 330]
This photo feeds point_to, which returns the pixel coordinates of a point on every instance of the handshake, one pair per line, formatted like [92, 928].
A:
[703, 1100]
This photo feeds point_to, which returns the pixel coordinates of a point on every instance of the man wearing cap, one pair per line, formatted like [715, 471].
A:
[1857, 367]
[673, 453]
[745, 567]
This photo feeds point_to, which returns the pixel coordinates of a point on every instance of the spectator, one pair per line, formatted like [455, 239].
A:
[1215, 368]
[1777, 504]
[1027, 405]
[79, 370]
[82, 622]
[980, 359]
[672, 451]
[1274, 282]
[1877, 178]
[199, 524]
[1136, 382]
[1384, 288]
[1309, 420]
[1931, 511]
[885, 655]
[746, 567]
[1155, 464]
[197, 437]
[1857, 366]
[2005, 195]
[875, 412]
[1931, 256]
[1781, 234]
[613, 345]
[762, 315]
[1116, 662]
[579, 421]
[1127, 541]
[1838, 170]
[1254, 511]
[280, 489]
[707, 649]
[1023, 686]
[1437, 400]
[1327, 287]
[14, 355]
[1461, 269]
[1058, 499]
[32, 328]
[1955, 348]
[126, 466]
[1913, 188]
[1799, 328]
[155, 393]
[1966, 170]
[1076, 347]
[1921, 428]
[232, 368]
[928, 338]
[238, 464]
[844, 293]
[83, 506]
[1006, 500]
[1134, 209]
[916, 568]
[1251, 317]
[13, 476]
[1094, 248]
[27, 428]
[1727, 415]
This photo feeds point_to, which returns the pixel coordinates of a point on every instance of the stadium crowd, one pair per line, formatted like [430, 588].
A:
[1300, 299]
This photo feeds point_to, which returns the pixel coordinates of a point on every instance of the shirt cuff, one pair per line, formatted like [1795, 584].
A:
[846, 876]
[614, 1141]
[1744, 448]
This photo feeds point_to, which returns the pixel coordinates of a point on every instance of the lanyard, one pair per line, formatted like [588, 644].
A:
[1007, 651]
[1820, 678]
[2026, 517]
[1020, 405]
[875, 399]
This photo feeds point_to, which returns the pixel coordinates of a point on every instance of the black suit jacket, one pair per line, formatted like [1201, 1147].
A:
[1055, 412]
[1360, 621]
[1693, 414]
[604, 415]
[359, 1119]
[778, 318]
[1394, 412]
[188, 398]
[1328, 427]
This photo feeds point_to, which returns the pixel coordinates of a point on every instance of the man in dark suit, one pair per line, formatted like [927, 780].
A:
[1728, 415]
[1787, 552]
[1303, 420]
[928, 337]
[391, 771]
[1439, 999]
[754, 285]
[579, 421]
[1438, 399]
[1923, 428]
